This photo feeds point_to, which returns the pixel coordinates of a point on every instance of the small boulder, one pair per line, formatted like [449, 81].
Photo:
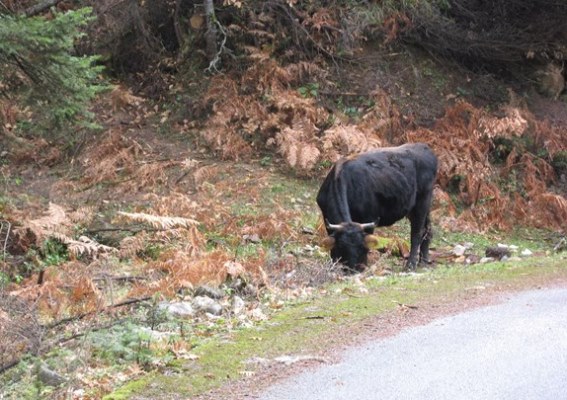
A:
[178, 309]
[49, 377]
[207, 305]
[238, 305]
[459, 250]
[208, 291]
[526, 253]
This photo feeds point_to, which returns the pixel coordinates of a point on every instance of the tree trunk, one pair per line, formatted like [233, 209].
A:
[212, 31]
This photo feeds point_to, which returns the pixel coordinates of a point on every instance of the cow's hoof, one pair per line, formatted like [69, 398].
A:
[410, 266]
[425, 262]
[354, 270]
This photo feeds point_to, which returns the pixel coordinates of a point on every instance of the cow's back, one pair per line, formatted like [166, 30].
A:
[381, 186]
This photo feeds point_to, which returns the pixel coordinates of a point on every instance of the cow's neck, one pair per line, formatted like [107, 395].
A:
[342, 211]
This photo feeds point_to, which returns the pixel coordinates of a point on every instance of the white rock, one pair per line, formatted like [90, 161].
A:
[526, 253]
[238, 305]
[289, 360]
[155, 335]
[257, 315]
[485, 260]
[178, 309]
[257, 360]
[459, 250]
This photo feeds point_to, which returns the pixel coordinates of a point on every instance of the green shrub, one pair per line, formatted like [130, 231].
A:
[38, 67]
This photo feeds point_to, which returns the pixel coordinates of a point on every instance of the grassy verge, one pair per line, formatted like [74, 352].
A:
[303, 327]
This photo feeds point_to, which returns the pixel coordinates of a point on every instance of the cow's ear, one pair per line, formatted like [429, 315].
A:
[328, 243]
[371, 242]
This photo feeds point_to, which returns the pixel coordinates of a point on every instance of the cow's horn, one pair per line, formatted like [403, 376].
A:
[335, 227]
[368, 225]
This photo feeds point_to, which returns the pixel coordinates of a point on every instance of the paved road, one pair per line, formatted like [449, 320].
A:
[513, 351]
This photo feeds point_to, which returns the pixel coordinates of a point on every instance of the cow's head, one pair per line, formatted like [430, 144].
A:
[349, 243]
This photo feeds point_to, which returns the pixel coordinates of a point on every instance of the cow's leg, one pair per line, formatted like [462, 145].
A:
[416, 222]
[425, 240]
[419, 220]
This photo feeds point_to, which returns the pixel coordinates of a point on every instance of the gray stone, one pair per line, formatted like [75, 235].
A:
[178, 309]
[207, 305]
[243, 288]
[252, 238]
[49, 377]
[208, 291]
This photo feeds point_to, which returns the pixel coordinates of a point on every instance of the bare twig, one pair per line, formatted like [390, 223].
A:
[216, 59]
[86, 314]
[5, 7]
[4, 223]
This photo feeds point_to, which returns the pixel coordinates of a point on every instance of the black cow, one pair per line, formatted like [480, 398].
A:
[378, 188]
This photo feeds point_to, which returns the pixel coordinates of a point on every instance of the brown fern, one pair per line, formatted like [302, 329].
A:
[158, 222]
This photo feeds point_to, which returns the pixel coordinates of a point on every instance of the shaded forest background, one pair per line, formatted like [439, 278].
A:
[149, 138]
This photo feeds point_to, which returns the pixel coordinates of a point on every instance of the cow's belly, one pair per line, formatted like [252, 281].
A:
[384, 212]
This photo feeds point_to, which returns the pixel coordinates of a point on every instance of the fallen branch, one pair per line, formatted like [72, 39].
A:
[78, 317]
[41, 7]
[89, 330]
[126, 278]
[405, 306]
[11, 364]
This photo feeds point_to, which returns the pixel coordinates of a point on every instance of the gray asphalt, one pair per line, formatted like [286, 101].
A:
[514, 350]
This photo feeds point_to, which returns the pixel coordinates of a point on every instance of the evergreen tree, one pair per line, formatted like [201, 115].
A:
[38, 65]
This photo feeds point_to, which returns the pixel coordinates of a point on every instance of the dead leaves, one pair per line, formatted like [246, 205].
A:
[59, 224]
[501, 196]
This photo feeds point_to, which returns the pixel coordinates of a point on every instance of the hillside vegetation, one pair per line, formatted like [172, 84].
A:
[151, 149]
